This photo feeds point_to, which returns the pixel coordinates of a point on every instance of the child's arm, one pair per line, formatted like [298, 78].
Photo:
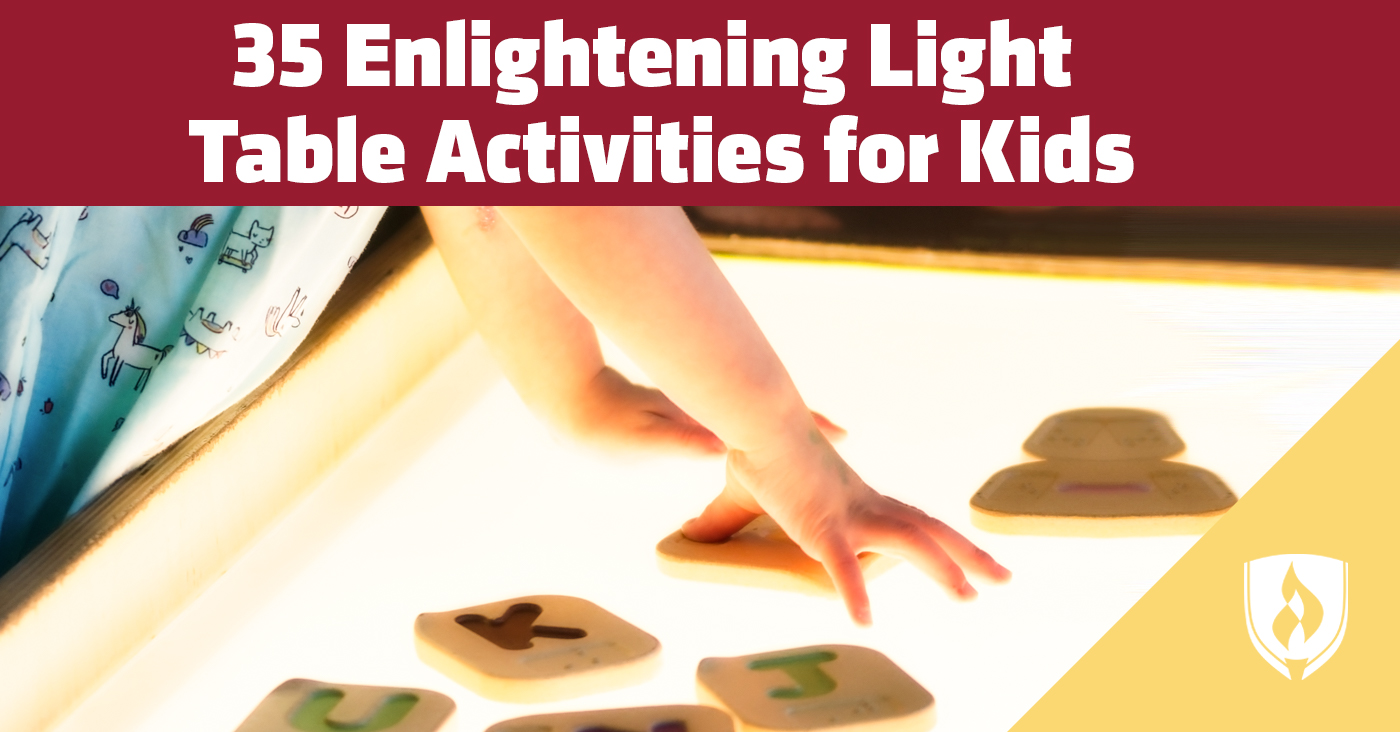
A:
[644, 277]
[546, 348]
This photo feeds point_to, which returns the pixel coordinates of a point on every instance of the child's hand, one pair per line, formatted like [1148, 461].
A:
[613, 413]
[833, 515]
[643, 276]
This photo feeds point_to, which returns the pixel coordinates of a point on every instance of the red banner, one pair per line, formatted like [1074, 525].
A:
[1015, 103]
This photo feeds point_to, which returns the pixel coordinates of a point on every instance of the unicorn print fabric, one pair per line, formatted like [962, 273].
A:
[122, 329]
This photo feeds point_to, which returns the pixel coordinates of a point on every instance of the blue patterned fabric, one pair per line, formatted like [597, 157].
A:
[122, 329]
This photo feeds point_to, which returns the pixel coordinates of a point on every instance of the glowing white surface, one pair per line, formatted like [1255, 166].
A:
[939, 376]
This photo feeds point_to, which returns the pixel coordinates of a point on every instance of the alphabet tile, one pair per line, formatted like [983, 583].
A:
[826, 688]
[303, 705]
[1105, 474]
[537, 648]
[677, 718]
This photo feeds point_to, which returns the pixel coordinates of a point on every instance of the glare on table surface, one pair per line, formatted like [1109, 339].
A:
[938, 375]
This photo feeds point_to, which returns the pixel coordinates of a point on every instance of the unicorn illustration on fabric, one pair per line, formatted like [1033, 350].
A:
[243, 254]
[130, 349]
[26, 236]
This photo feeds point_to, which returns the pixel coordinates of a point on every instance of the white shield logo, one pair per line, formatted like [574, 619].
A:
[1295, 609]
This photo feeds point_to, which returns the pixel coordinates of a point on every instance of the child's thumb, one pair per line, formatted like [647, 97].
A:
[718, 521]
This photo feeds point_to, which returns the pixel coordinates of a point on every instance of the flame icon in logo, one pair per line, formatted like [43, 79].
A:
[1309, 627]
[1287, 621]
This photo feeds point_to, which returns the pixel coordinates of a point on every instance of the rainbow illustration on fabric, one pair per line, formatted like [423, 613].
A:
[195, 236]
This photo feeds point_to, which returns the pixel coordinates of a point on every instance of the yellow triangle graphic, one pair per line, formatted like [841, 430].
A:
[1183, 659]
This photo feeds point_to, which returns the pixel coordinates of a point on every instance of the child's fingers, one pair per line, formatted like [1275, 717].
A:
[830, 429]
[963, 550]
[685, 438]
[913, 542]
[661, 405]
[844, 568]
[658, 403]
[966, 553]
[718, 521]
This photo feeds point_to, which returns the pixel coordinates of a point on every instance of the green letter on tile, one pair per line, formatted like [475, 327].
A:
[804, 669]
[313, 714]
